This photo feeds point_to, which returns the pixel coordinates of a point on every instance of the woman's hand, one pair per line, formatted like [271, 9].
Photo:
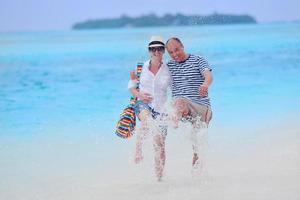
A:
[132, 75]
[145, 97]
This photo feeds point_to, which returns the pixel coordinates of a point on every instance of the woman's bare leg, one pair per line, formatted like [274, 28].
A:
[141, 134]
[159, 155]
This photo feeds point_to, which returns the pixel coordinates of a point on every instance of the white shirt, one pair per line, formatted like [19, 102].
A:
[157, 85]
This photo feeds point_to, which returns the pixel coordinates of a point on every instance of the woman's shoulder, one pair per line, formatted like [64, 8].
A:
[146, 63]
[164, 65]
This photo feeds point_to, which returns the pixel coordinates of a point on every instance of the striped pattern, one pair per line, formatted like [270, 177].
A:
[187, 77]
[126, 124]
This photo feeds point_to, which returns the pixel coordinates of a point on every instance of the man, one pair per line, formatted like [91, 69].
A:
[191, 78]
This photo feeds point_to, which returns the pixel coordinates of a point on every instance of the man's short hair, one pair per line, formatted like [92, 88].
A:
[176, 39]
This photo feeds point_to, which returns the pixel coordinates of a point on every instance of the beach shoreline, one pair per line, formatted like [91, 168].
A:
[261, 166]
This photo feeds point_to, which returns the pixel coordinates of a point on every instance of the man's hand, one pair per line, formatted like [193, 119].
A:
[203, 89]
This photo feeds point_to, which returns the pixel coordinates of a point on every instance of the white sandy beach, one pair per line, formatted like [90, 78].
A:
[85, 167]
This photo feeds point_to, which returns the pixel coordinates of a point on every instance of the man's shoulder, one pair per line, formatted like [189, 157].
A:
[200, 61]
[197, 57]
[172, 65]
[191, 59]
[171, 62]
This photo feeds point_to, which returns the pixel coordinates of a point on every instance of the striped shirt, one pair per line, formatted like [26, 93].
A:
[187, 76]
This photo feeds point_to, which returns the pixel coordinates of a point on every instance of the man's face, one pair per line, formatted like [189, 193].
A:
[176, 51]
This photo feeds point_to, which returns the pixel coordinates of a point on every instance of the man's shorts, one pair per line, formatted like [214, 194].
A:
[139, 106]
[195, 110]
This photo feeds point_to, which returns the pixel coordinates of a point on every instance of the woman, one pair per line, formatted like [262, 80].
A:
[152, 96]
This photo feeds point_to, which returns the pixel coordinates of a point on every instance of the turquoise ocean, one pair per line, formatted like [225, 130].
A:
[61, 93]
[78, 79]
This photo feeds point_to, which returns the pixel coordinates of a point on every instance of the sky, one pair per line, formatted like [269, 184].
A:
[40, 15]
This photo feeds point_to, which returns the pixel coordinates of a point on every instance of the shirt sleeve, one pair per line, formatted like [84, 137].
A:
[203, 65]
[131, 84]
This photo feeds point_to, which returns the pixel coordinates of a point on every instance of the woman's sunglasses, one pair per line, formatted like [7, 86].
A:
[153, 49]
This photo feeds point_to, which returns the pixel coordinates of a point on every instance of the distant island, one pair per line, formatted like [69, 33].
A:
[152, 20]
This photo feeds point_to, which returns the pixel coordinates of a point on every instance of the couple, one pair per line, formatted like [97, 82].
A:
[189, 77]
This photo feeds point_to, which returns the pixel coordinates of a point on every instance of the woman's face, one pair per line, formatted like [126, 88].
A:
[156, 52]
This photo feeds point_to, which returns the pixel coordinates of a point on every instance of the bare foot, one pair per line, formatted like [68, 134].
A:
[159, 178]
[159, 175]
[197, 166]
[195, 159]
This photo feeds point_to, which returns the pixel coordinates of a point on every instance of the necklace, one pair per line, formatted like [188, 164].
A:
[159, 65]
[151, 69]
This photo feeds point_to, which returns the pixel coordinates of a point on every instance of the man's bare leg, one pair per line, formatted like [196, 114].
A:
[195, 146]
[180, 110]
[198, 133]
